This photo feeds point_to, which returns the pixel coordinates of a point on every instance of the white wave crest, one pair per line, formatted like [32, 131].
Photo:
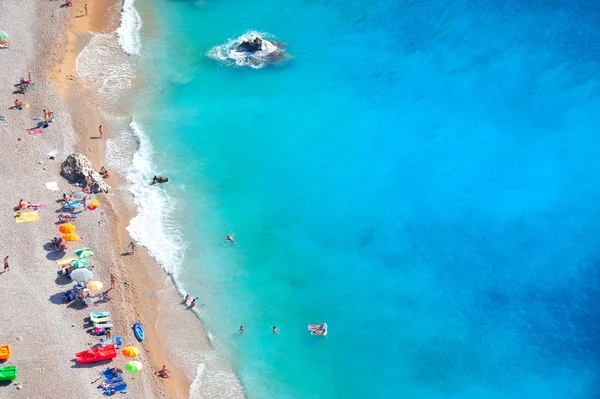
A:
[153, 226]
[104, 68]
[270, 52]
[129, 31]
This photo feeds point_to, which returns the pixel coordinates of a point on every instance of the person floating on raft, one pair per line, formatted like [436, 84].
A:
[318, 329]
[159, 179]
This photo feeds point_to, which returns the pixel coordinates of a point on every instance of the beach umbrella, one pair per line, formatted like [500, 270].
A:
[3, 35]
[67, 228]
[93, 205]
[71, 237]
[79, 195]
[82, 275]
[131, 351]
[84, 253]
[94, 285]
[78, 263]
[133, 367]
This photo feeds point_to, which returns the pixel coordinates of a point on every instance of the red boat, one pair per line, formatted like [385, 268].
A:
[96, 354]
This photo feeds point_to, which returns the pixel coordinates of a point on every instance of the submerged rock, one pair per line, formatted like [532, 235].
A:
[75, 169]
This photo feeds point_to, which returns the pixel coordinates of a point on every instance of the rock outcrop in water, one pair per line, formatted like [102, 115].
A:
[75, 169]
[251, 46]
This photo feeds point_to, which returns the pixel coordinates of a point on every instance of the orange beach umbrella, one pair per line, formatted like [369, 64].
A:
[71, 237]
[66, 228]
[131, 351]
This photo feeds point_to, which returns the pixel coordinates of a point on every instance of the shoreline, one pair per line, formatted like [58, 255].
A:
[104, 17]
[151, 294]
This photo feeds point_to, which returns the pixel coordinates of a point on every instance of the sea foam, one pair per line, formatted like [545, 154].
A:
[153, 226]
[129, 31]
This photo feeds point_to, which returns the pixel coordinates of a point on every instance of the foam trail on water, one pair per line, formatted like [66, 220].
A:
[104, 68]
[129, 31]
[153, 226]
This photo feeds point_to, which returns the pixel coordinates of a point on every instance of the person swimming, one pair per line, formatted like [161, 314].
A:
[230, 238]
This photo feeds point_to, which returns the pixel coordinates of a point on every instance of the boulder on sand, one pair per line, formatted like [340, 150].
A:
[75, 169]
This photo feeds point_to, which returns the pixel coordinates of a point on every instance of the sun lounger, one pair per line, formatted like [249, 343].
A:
[99, 314]
[98, 320]
[108, 373]
[113, 380]
[8, 373]
[119, 388]
[4, 352]
[112, 341]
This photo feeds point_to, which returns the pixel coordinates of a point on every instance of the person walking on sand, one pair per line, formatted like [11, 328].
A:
[85, 9]
[132, 246]
[6, 264]
[100, 131]
[242, 329]
[112, 281]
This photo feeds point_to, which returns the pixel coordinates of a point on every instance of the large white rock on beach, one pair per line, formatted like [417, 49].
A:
[76, 167]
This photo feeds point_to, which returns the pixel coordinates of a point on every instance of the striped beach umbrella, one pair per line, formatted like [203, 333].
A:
[130, 351]
[78, 263]
[84, 253]
[133, 367]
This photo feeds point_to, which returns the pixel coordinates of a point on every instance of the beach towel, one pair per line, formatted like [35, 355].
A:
[26, 217]
[73, 204]
[35, 131]
[2, 117]
[52, 185]
[64, 262]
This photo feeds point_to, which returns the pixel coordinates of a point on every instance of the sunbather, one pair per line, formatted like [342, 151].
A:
[104, 173]
[164, 372]
[18, 104]
[22, 205]
[64, 217]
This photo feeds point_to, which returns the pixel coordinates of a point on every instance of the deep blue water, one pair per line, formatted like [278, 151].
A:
[421, 175]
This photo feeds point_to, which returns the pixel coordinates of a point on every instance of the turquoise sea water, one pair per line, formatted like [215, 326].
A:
[421, 175]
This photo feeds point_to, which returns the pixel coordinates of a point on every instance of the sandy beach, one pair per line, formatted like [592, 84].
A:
[43, 332]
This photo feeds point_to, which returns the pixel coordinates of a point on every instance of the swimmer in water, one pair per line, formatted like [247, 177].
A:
[229, 238]
[275, 330]
[242, 329]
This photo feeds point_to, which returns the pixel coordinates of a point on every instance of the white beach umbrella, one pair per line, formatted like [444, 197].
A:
[82, 275]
